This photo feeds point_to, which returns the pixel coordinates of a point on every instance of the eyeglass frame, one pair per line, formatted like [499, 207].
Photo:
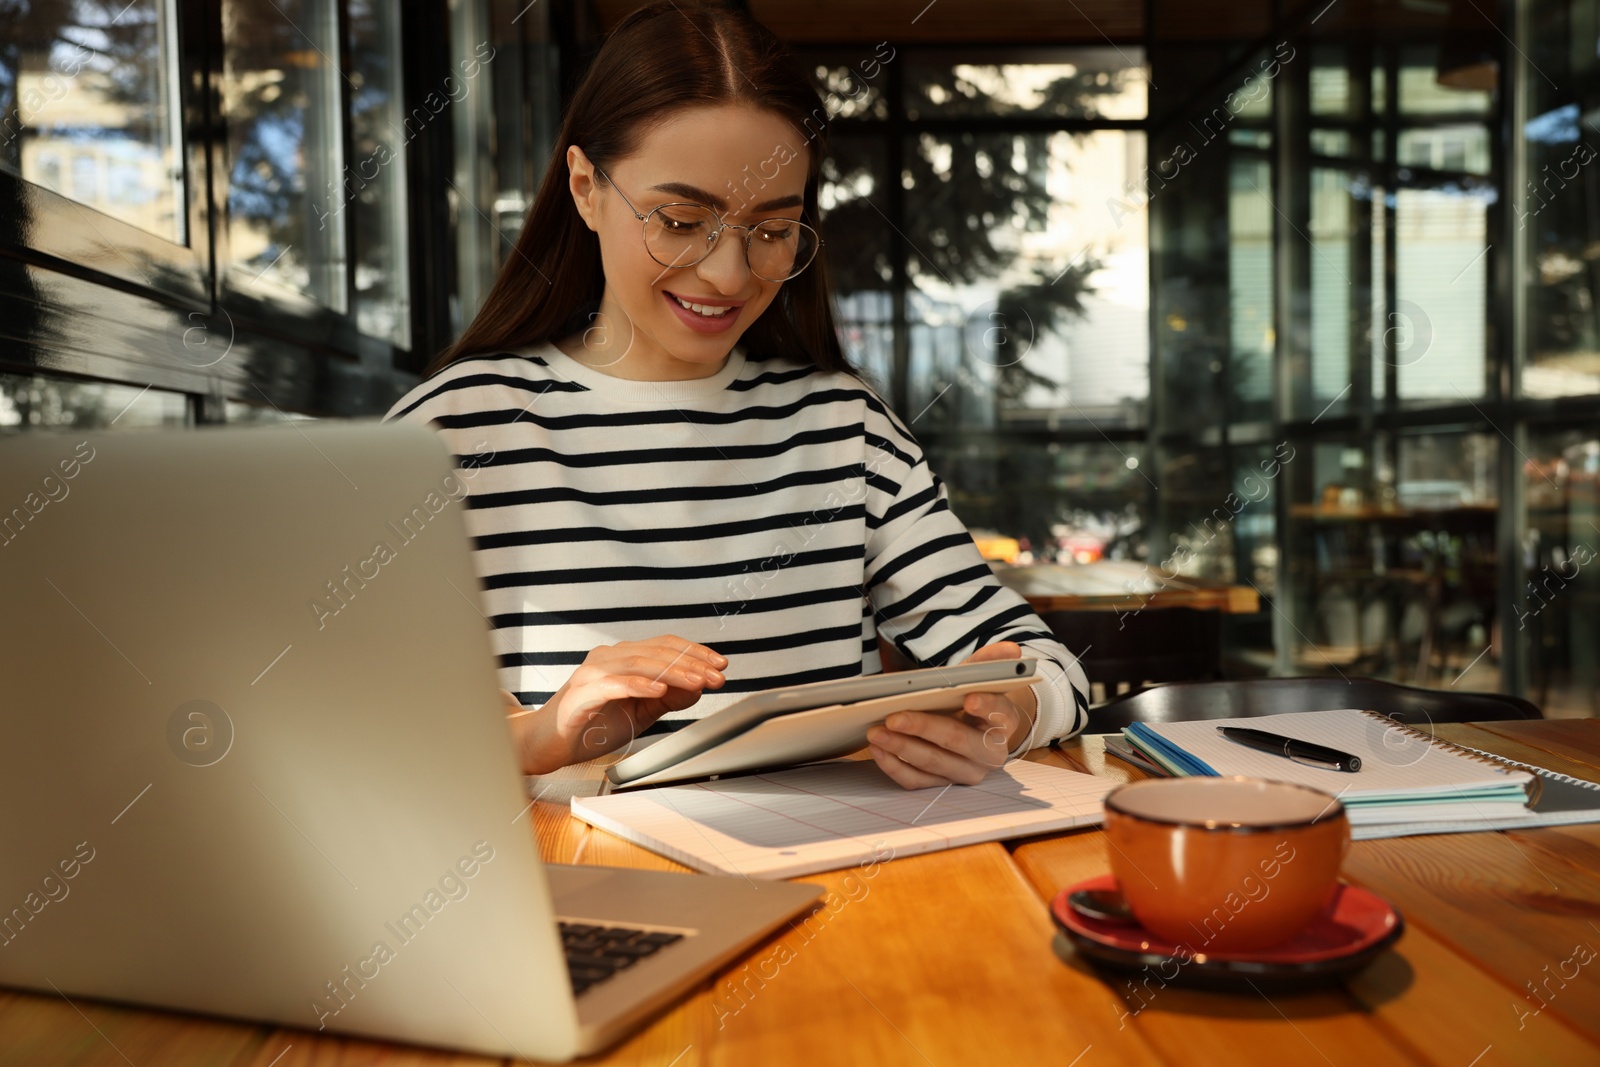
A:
[711, 244]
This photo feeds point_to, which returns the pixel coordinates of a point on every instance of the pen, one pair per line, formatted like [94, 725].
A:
[1290, 748]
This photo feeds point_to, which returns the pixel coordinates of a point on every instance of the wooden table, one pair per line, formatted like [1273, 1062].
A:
[946, 959]
[1120, 585]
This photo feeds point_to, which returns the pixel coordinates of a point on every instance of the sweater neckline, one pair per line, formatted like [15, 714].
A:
[635, 391]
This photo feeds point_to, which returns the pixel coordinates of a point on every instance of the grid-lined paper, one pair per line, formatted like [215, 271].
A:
[832, 815]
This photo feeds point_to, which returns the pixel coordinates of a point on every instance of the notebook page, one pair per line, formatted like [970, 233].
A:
[1395, 762]
[833, 815]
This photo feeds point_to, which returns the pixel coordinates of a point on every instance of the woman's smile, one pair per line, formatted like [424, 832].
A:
[705, 314]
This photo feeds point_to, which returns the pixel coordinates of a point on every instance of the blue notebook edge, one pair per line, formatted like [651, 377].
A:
[1187, 763]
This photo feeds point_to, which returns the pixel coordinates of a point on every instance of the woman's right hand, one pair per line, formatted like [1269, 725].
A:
[615, 693]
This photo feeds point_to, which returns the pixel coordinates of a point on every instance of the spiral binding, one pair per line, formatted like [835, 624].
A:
[1540, 774]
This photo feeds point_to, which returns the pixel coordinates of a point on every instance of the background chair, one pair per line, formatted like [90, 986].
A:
[1268, 696]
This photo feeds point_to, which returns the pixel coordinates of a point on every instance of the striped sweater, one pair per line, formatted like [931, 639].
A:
[777, 513]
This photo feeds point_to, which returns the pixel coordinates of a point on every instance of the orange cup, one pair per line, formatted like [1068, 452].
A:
[1225, 864]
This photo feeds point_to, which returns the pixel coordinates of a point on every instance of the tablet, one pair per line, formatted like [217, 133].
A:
[804, 723]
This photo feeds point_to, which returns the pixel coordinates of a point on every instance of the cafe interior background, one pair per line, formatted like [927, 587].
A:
[1300, 298]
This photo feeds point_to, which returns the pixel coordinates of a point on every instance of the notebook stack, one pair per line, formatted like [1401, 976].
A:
[1409, 781]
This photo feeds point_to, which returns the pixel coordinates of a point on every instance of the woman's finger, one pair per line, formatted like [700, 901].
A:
[679, 645]
[903, 773]
[997, 718]
[928, 757]
[985, 742]
[686, 674]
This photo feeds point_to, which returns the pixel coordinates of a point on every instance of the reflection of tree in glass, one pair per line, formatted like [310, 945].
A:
[281, 96]
[969, 194]
[290, 184]
[120, 43]
[266, 99]
[375, 197]
[1058, 90]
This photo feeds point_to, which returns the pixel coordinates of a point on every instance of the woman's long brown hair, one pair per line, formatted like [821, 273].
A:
[662, 58]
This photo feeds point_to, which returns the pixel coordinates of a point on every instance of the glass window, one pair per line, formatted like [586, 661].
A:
[1196, 514]
[288, 187]
[44, 403]
[1085, 83]
[1456, 147]
[1330, 82]
[97, 85]
[852, 85]
[1085, 502]
[1030, 276]
[1388, 330]
[501, 94]
[1440, 472]
[1558, 613]
[1194, 212]
[1391, 557]
[1425, 82]
[1250, 301]
[1442, 293]
[859, 250]
[1330, 142]
[1257, 469]
[1556, 208]
[376, 190]
[1331, 231]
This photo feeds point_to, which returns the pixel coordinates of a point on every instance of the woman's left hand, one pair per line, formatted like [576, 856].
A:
[919, 749]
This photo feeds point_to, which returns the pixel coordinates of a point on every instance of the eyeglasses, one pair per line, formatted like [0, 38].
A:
[681, 235]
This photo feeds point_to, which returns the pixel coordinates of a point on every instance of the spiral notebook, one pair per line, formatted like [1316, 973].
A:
[1407, 777]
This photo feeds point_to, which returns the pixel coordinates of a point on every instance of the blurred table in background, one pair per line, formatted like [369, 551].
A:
[1122, 586]
[1131, 624]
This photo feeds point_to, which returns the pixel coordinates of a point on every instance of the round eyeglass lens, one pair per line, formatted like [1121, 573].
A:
[681, 235]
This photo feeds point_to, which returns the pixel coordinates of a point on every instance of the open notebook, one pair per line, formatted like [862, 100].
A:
[828, 816]
[1406, 776]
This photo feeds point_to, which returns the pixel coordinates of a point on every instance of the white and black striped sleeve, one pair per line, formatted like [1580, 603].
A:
[934, 596]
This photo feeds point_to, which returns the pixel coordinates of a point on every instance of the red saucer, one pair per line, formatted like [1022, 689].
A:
[1357, 927]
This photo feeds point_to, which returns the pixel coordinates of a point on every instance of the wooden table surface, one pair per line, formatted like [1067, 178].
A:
[946, 959]
[1121, 585]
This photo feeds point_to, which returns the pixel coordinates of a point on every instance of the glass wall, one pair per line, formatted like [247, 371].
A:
[996, 287]
[1555, 610]
[1388, 297]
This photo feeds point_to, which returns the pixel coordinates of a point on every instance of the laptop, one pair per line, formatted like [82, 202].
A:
[256, 762]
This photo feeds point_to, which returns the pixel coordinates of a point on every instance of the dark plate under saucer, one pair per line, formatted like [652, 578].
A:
[1357, 927]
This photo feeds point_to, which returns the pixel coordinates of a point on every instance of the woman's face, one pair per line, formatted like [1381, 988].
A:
[745, 163]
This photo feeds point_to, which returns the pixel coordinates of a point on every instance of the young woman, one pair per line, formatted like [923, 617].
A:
[680, 492]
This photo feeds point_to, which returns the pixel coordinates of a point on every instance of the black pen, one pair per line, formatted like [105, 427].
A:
[1290, 748]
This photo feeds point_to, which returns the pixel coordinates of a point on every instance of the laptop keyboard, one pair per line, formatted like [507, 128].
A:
[595, 953]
